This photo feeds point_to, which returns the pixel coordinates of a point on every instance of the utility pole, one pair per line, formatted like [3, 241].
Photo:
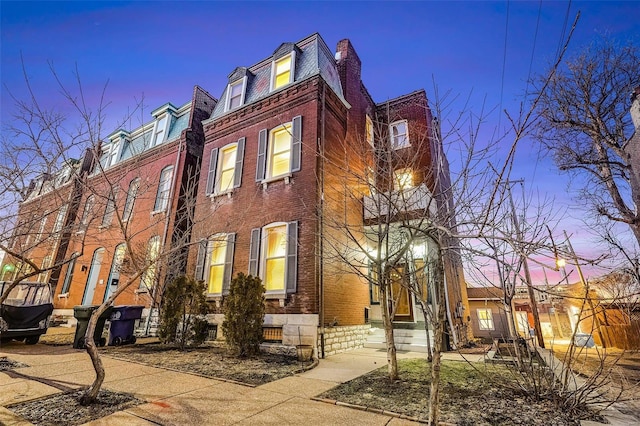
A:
[507, 292]
[527, 274]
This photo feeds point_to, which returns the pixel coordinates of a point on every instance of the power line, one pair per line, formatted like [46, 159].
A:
[533, 49]
[504, 65]
[564, 30]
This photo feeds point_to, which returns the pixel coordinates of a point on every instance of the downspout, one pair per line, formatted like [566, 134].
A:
[167, 219]
[321, 221]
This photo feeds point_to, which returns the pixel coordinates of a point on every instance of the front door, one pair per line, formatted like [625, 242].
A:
[114, 274]
[92, 279]
[400, 296]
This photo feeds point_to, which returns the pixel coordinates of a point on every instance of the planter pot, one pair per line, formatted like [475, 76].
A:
[304, 352]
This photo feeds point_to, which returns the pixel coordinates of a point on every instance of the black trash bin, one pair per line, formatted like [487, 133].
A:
[123, 319]
[83, 314]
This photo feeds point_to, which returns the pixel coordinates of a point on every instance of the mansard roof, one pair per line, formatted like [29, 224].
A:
[312, 58]
[134, 142]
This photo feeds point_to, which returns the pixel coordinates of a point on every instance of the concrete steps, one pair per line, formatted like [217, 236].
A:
[406, 340]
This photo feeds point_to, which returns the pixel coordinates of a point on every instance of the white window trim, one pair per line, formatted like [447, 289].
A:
[207, 262]
[151, 273]
[114, 153]
[292, 71]
[156, 129]
[86, 212]
[168, 199]
[280, 293]
[391, 126]
[43, 224]
[46, 263]
[109, 211]
[227, 104]
[60, 218]
[130, 198]
[489, 322]
[269, 177]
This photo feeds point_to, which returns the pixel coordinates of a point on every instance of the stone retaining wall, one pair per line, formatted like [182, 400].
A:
[344, 338]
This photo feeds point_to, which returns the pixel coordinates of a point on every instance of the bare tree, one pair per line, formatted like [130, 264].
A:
[585, 125]
[71, 207]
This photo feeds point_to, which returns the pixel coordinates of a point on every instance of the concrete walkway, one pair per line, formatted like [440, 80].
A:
[175, 398]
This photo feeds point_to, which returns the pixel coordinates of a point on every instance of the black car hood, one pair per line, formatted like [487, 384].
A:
[21, 317]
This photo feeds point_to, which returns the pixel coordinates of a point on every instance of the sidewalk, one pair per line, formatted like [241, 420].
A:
[183, 399]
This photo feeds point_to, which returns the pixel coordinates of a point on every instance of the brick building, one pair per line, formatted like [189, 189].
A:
[276, 179]
[284, 148]
[124, 206]
[44, 223]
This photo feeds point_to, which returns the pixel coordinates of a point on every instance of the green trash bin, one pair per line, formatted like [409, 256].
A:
[83, 314]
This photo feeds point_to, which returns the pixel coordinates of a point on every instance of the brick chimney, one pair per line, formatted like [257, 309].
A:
[635, 108]
[349, 67]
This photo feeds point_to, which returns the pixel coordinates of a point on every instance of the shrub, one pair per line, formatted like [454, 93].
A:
[244, 315]
[181, 316]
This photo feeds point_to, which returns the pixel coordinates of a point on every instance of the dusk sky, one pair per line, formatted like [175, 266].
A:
[160, 50]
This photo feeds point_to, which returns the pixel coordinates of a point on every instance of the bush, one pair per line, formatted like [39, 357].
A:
[181, 316]
[244, 315]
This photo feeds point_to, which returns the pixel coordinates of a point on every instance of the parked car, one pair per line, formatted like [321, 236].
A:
[27, 311]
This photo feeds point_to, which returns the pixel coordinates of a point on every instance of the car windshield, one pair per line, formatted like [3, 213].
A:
[28, 294]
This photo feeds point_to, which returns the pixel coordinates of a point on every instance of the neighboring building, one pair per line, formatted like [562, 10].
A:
[136, 195]
[489, 318]
[277, 146]
[44, 223]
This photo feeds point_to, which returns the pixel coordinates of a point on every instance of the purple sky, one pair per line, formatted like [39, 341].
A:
[160, 50]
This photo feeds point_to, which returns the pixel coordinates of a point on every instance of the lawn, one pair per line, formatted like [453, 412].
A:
[472, 394]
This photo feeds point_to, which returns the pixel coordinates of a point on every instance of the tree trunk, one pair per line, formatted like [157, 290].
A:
[434, 389]
[91, 394]
[513, 334]
[392, 360]
[427, 321]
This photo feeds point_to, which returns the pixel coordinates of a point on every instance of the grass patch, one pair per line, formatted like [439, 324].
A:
[470, 395]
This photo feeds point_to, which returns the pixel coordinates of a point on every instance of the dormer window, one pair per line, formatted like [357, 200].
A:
[282, 71]
[399, 134]
[160, 130]
[112, 150]
[113, 153]
[235, 94]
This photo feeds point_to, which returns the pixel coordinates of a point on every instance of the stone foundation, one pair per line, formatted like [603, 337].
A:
[344, 338]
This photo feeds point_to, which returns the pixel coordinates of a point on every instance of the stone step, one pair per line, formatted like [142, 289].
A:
[400, 347]
[405, 339]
